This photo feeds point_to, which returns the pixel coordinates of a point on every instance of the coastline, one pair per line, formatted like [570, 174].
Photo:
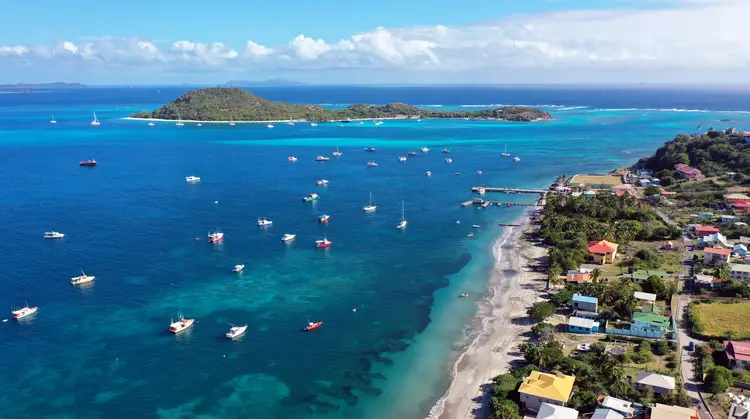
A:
[501, 323]
[130, 118]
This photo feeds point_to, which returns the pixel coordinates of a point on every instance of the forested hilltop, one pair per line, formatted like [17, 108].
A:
[233, 104]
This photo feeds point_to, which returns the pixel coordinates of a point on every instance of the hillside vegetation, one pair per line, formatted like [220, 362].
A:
[233, 104]
[714, 153]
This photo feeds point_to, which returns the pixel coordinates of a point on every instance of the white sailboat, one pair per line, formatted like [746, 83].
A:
[337, 153]
[53, 120]
[505, 153]
[402, 224]
[95, 122]
[179, 120]
[371, 207]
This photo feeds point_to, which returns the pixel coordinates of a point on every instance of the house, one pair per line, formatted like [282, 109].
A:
[706, 281]
[581, 325]
[652, 322]
[703, 231]
[602, 251]
[583, 302]
[551, 411]
[744, 240]
[644, 296]
[706, 215]
[578, 278]
[589, 194]
[741, 208]
[663, 411]
[655, 181]
[620, 190]
[623, 192]
[746, 136]
[739, 272]
[618, 405]
[684, 171]
[725, 218]
[714, 256]
[740, 249]
[734, 198]
[656, 382]
[540, 387]
[714, 240]
[738, 353]
[606, 414]
[644, 182]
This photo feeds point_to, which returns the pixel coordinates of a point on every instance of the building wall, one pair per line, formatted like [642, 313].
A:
[579, 329]
[636, 333]
[585, 306]
[533, 403]
[740, 276]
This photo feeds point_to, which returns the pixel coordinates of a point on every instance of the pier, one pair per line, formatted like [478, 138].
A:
[484, 203]
[479, 189]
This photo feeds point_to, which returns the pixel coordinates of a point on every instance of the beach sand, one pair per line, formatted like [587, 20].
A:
[501, 324]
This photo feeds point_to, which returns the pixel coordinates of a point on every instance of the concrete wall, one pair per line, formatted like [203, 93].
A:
[533, 403]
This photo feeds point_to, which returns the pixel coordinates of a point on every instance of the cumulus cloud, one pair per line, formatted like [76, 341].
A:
[682, 35]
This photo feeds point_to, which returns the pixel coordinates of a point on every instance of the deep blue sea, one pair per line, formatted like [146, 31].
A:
[103, 351]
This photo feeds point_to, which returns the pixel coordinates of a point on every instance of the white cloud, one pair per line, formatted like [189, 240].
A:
[696, 37]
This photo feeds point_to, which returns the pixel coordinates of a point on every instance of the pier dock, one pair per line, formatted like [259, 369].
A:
[484, 203]
[479, 189]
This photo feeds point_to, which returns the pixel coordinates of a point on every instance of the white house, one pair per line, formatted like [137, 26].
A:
[740, 249]
[739, 272]
[551, 411]
[645, 296]
[714, 240]
[656, 382]
[715, 256]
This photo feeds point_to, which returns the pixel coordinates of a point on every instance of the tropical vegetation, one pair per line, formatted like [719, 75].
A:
[714, 153]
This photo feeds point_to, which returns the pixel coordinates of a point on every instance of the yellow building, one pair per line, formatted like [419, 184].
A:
[602, 252]
[541, 387]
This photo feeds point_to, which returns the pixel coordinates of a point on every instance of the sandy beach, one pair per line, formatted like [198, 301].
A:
[500, 325]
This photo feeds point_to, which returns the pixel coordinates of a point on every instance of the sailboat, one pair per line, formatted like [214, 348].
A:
[402, 224]
[505, 153]
[95, 122]
[371, 207]
[179, 120]
[337, 153]
[53, 120]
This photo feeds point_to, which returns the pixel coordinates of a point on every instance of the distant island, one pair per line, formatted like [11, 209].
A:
[233, 104]
[262, 83]
[55, 85]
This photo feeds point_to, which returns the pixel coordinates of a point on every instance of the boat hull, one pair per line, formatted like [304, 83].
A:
[19, 314]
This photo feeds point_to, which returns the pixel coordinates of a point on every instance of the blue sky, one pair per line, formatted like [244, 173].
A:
[437, 41]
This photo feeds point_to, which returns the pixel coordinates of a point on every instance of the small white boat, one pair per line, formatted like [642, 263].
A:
[476, 226]
[263, 222]
[292, 158]
[322, 158]
[372, 164]
[402, 158]
[231, 124]
[269, 126]
[313, 124]
[445, 151]
[428, 173]
[288, 237]
[179, 121]
[402, 224]
[53, 120]
[192, 179]
[238, 268]
[516, 159]
[151, 124]
[236, 331]
[337, 153]
[83, 279]
[479, 172]
[95, 122]
[424, 149]
[505, 153]
[322, 182]
[181, 324]
[290, 123]
[53, 235]
[24, 311]
[449, 160]
[378, 123]
[371, 207]
[199, 125]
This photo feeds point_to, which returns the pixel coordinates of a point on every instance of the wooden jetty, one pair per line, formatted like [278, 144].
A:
[478, 189]
[486, 203]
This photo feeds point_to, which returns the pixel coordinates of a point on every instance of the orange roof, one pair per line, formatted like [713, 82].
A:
[718, 251]
[602, 247]
[579, 278]
[621, 192]
[706, 229]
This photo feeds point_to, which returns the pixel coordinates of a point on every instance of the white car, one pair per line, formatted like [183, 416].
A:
[584, 347]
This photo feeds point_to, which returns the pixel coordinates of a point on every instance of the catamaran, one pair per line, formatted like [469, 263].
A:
[236, 331]
[337, 153]
[95, 122]
[371, 207]
[181, 324]
[402, 224]
[53, 120]
[505, 153]
[83, 279]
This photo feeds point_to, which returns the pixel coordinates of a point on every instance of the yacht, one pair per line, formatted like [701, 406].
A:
[292, 158]
[402, 224]
[91, 163]
[322, 182]
[505, 153]
[192, 179]
[215, 237]
[269, 126]
[313, 124]
[53, 235]
[179, 121]
[428, 173]
[311, 197]
[264, 222]
[371, 207]
[238, 268]
[151, 124]
[402, 158]
[83, 279]
[95, 122]
[288, 237]
[324, 218]
[372, 164]
[53, 120]
[236, 331]
[323, 243]
[337, 153]
[412, 153]
[425, 149]
[445, 151]
[322, 158]
[181, 324]
[24, 311]
[516, 159]
[313, 326]
[449, 160]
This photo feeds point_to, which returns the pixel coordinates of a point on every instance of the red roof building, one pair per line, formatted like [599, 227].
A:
[715, 256]
[741, 207]
[602, 251]
[703, 231]
[738, 353]
[686, 172]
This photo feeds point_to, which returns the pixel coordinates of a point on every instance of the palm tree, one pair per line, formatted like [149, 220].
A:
[722, 272]
[596, 275]
[621, 386]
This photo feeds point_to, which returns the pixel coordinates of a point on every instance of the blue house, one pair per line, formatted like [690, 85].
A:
[581, 325]
[585, 303]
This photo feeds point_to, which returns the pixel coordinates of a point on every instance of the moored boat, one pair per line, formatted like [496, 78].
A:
[402, 158]
[53, 235]
[412, 153]
[370, 149]
[236, 331]
[24, 311]
[505, 153]
[479, 172]
[322, 182]
[313, 326]
[192, 179]
[215, 237]
[288, 237]
[313, 124]
[337, 153]
[445, 150]
[90, 163]
[428, 173]
[264, 222]
[83, 279]
[181, 324]
[324, 218]
[311, 197]
[371, 207]
[516, 159]
[424, 149]
[322, 158]
[238, 268]
[269, 126]
[403, 223]
[449, 160]
[372, 163]
[323, 243]
[292, 158]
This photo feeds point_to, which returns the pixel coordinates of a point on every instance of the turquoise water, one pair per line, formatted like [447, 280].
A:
[104, 351]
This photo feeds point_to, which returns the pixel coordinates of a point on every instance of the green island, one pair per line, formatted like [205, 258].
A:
[234, 104]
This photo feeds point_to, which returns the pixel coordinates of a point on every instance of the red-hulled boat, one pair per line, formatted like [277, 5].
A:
[215, 237]
[313, 325]
[90, 163]
[323, 243]
[324, 218]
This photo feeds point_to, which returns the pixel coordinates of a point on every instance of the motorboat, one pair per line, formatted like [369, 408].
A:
[449, 160]
[377, 123]
[288, 237]
[236, 331]
[476, 226]
[371, 149]
[53, 235]
[372, 164]
[322, 182]
[323, 243]
[181, 324]
[424, 149]
[313, 124]
[457, 174]
[215, 237]
[199, 125]
[24, 311]
[516, 159]
[371, 207]
[192, 179]
[322, 158]
[402, 158]
[151, 124]
[269, 126]
[505, 153]
[445, 151]
[337, 153]
[292, 158]
[264, 222]
[428, 173]
[313, 325]
[95, 122]
[470, 235]
[89, 163]
[479, 172]
[290, 123]
[83, 279]
[402, 224]
[464, 295]
[481, 190]
[412, 153]
[311, 197]
[238, 268]
[231, 124]
[324, 218]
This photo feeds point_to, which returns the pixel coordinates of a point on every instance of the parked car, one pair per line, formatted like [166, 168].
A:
[691, 346]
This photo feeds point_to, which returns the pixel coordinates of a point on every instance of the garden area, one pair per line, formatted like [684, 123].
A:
[727, 320]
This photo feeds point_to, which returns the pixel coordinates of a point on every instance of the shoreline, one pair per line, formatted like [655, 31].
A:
[500, 324]
[284, 121]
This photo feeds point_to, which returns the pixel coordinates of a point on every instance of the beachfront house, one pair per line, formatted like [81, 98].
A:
[684, 171]
[540, 387]
[644, 182]
[703, 230]
[663, 411]
[582, 325]
[738, 353]
[618, 405]
[551, 411]
[578, 277]
[739, 272]
[656, 382]
[713, 256]
[602, 252]
[585, 303]
[652, 322]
